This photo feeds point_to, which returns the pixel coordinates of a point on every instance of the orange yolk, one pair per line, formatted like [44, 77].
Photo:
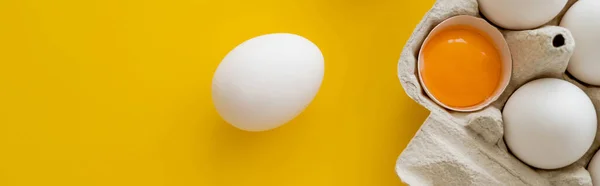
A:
[461, 67]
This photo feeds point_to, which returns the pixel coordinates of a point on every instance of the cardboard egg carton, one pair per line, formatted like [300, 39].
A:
[453, 148]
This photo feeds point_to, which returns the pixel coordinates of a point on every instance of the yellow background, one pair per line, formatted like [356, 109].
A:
[116, 92]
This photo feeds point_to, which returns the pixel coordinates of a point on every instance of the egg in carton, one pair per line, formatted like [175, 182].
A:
[456, 148]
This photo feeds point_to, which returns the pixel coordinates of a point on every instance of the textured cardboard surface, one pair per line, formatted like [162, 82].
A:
[454, 148]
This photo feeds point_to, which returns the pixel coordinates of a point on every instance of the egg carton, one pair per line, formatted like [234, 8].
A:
[454, 148]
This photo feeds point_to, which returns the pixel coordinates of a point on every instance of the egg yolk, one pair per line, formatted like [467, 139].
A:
[461, 67]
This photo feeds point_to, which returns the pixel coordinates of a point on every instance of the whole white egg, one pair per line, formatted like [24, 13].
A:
[520, 14]
[583, 20]
[594, 169]
[549, 123]
[267, 81]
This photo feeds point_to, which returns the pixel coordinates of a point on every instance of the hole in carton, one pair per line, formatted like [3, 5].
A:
[558, 41]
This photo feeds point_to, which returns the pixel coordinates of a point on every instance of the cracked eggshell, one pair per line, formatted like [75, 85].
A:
[497, 39]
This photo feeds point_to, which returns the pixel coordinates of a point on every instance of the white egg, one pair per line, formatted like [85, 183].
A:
[549, 123]
[521, 14]
[267, 81]
[594, 169]
[583, 20]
